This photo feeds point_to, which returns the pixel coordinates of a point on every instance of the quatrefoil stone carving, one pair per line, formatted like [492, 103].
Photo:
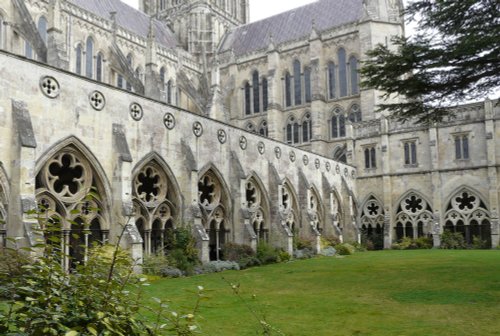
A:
[317, 164]
[197, 129]
[169, 121]
[97, 100]
[50, 87]
[328, 166]
[305, 159]
[293, 157]
[243, 142]
[136, 111]
[261, 147]
[222, 136]
[277, 152]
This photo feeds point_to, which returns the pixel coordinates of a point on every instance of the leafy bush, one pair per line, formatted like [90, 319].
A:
[220, 266]
[329, 241]
[452, 240]
[360, 247]
[479, 244]
[424, 243]
[302, 243]
[283, 256]
[267, 254]
[171, 272]
[303, 254]
[244, 255]
[345, 249]
[181, 250]
[408, 243]
[154, 264]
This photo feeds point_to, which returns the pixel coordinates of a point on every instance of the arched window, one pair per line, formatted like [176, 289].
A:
[89, 58]
[414, 217]
[338, 124]
[372, 221]
[297, 83]
[169, 91]
[288, 89]
[162, 76]
[370, 157]
[248, 99]
[265, 97]
[129, 60]
[307, 82]
[342, 72]
[263, 128]
[250, 127]
[353, 66]
[42, 28]
[331, 80]
[306, 128]
[355, 114]
[99, 67]
[78, 59]
[292, 131]
[28, 50]
[256, 93]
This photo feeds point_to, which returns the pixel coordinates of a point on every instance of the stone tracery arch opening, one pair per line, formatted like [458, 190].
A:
[258, 207]
[372, 222]
[468, 214]
[315, 210]
[289, 208]
[72, 194]
[413, 217]
[156, 203]
[213, 199]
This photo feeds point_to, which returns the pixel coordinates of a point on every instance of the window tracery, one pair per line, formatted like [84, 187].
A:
[467, 213]
[314, 210]
[254, 204]
[413, 217]
[89, 58]
[372, 222]
[288, 208]
[63, 187]
[337, 124]
[155, 205]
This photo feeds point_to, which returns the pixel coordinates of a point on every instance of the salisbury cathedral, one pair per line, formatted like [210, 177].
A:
[184, 114]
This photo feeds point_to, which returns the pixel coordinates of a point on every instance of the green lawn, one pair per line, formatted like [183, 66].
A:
[431, 292]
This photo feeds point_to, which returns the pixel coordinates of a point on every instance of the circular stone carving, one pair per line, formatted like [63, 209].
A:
[305, 159]
[243, 142]
[293, 157]
[136, 111]
[317, 163]
[169, 121]
[222, 136]
[49, 86]
[337, 169]
[97, 100]
[346, 172]
[277, 152]
[328, 166]
[261, 147]
[353, 174]
[197, 129]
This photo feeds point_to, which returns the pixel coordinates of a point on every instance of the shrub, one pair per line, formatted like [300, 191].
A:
[329, 241]
[171, 272]
[219, 266]
[328, 251]
[302, 243]
[452, 240]
[154, 264]
[424, 243]
[267, 254]
[179, 259]
[360, 247]
[345, 249]
[244, 255]
[248, 262]
[283, 256]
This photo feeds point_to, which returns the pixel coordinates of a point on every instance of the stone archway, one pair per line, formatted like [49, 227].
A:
[414, 217]
[372, 222]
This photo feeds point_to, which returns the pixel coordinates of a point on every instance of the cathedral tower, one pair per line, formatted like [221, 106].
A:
[199, 24]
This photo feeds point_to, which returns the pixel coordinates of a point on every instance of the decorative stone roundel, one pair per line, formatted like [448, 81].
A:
[328, 166]
[136, 111]
[305, 159]
[261, 147]
[353, 174]
[293, 157]
[337, 169]
[222, 136]
[50, 86]
[150, 185]
[346, 172]
[277, 152]
[317, 163]
[169, 121]
[197, 129]
[97, 100]
[243, 142]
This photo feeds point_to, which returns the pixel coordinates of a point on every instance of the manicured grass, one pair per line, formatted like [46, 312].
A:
[431, 292]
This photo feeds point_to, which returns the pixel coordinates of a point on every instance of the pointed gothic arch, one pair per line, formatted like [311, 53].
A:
[289, 206]
[257, 202]
[372, 216]
[467, 212]
[414, 216]
[157, 202]
[65, 177]
[315, 208]
[215, 202]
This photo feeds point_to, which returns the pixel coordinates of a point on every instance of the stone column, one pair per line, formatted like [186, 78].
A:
[491, 144]
[57, 55]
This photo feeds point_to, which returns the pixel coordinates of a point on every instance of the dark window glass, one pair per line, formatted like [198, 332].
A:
[342, 72]
[288, 90]
[465, 145]
[98, 67]
[331, 80]
[335, 127]
[42, 28]
[341, 125]
[248, 108]
[256, 93]
[307, 82]
[373, 158]
[295, 133]
[265, 97]
[367, 158]
[407, 153]
[297, 82]
[353, 64]
[289, 133]
[89, 58]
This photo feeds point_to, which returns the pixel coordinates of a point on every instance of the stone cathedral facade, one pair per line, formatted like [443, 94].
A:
[183, 113]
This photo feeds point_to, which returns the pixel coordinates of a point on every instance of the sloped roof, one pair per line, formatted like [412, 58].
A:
[292, 25]
[129, 18]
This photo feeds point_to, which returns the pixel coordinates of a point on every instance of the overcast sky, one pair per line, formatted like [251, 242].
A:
[259, 9]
